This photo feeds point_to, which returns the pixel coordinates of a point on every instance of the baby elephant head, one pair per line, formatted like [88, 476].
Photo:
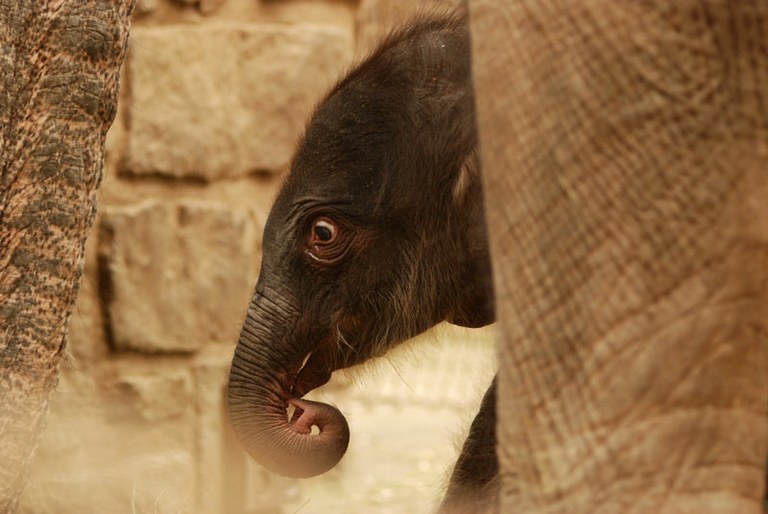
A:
[377, 234]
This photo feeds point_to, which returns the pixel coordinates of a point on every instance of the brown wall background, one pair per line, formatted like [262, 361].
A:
[214, 96]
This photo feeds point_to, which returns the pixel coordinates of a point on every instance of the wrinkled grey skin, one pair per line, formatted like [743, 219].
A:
[625, 154]
[377, 235]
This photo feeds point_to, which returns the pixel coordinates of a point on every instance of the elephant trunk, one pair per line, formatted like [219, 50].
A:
[262, 385]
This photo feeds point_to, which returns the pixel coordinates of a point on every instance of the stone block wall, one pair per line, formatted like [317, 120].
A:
[214, 96]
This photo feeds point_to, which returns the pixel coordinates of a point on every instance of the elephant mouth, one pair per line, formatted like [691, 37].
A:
[316, 369]
[314, 372]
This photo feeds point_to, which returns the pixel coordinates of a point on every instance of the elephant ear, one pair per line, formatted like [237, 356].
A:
[473, 306]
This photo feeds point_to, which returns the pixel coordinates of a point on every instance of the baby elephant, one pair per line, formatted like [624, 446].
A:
[377, 234]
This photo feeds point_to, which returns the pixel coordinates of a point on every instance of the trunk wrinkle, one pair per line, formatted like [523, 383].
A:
[262, 379]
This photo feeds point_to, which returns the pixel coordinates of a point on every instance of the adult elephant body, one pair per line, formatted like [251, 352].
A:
[625, 154]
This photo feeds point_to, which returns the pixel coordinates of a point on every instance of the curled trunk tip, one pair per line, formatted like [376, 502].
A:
[310, 443]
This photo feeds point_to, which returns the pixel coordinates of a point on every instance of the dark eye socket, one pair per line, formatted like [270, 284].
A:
[324, 230]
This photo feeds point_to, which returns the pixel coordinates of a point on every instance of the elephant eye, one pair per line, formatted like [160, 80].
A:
[323, 231]
[329, 241]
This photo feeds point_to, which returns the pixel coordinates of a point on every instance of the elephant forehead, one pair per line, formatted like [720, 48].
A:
[345, 147]
[353, 170]
[354, 191]
[344, 182]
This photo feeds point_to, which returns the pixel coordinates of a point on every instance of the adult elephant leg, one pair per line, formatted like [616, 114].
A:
[625, 152]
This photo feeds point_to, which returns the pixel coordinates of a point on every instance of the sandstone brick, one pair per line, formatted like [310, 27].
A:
[156, 395]
[225, 100]
[178, 275]
[210, 372]
[86, 338]
[144, 7]
[210, 6]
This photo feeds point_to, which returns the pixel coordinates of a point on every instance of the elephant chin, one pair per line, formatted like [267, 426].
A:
[286, 434]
